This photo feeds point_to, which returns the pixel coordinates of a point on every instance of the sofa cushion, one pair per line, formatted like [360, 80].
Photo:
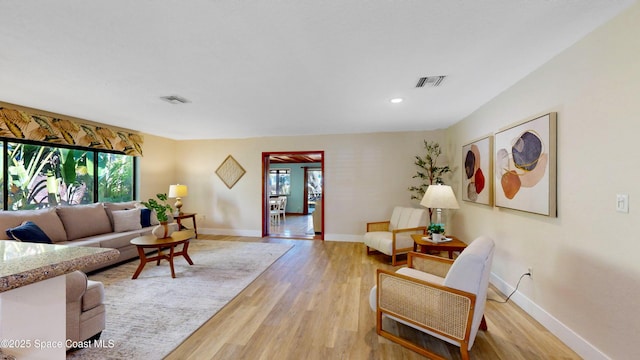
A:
[28, 232]
[407, 218]
[421, 275]
[145, 217]
[110, 207]
[84, 220]
[153, 218]
[86, 242]
[120, 240]
[126, 220]
[111, 240]
[383, 241]
[94, 296]
[46, 219]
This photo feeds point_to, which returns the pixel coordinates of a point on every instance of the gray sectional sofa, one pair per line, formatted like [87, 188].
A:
[107, 225]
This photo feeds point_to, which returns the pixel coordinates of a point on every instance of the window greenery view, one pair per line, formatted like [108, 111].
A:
[38, 176]
[115, 177]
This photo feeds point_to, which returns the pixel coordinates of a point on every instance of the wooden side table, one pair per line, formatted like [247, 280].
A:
[450, 246]
[182, 216]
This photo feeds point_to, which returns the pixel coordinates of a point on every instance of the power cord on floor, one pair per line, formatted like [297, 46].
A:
[513, 292]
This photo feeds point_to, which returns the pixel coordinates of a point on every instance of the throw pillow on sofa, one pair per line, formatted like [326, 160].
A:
[82, 221]
[28, 232]
[153, 217]
[110, 207]
[145, 217]
[126, 220]
[46, 219]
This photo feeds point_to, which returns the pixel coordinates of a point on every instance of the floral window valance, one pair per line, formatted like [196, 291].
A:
[19, 124]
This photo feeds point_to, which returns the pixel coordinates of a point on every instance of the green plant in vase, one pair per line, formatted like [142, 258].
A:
[160, 206]
[437, 231]
[436, 228]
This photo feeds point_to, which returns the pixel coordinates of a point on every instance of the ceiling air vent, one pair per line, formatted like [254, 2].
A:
[174, 99]
[430, 81]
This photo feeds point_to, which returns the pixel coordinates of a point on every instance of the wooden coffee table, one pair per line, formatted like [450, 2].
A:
[150, 241]
[425, 245]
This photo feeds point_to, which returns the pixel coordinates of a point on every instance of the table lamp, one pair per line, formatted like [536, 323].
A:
[439, 197]
[178, 191]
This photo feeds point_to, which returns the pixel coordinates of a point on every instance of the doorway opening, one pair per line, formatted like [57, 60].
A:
[292, 194]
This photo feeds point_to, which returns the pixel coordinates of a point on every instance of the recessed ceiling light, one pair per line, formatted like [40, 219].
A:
[396, 100]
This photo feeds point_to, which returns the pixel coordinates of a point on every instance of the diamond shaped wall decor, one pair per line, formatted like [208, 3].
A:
[230, 171]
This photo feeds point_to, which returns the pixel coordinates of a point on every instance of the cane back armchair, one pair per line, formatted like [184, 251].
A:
[441, 297]
[393, 237]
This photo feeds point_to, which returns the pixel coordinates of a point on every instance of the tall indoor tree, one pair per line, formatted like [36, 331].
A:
[429, 172]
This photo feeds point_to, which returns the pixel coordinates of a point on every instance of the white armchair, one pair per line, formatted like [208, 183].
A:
[393, 237]
[441, 297]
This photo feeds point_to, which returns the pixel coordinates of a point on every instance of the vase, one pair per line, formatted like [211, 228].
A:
[164, 230]
[436, 238]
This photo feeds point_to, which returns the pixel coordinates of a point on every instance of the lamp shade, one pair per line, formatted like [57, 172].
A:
[439, 197]
[178, 191]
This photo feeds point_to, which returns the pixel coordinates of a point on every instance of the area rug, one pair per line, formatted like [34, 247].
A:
[149, 317]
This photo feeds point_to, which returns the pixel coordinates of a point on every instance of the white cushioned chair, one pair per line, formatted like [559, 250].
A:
[393, 237]
[441, 297]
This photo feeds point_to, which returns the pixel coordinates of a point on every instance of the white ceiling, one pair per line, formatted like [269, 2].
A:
[278, 67]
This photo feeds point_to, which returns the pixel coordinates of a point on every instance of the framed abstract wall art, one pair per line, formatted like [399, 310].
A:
[477, 175]
[525, 166]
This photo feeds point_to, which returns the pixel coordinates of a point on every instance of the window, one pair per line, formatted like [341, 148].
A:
[279, 181]
[314, 184]
[115, 177]
[40, 176]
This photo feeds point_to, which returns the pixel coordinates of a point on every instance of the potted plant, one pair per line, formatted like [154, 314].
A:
[161, 208]
[428, 172]
[437, 231]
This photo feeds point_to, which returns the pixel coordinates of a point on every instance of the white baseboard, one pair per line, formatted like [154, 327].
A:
[573, 340]
[253, 233]
[230, 232]
[343, 237]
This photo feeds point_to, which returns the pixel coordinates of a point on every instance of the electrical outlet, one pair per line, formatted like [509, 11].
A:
[622, 203]
[530, 271]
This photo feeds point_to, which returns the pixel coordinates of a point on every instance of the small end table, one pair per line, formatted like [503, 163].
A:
[179, 218]
[450, 246]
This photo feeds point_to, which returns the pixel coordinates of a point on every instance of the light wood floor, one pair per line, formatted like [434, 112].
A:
[313, 304]
[294, 226]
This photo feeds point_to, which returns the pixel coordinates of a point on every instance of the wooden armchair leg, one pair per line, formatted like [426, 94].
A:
[464, 353]
[395, 262]
[483, 324]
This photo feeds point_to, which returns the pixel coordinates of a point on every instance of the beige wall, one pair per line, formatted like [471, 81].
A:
[157, 167]
[586, 269]
[365, 176]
